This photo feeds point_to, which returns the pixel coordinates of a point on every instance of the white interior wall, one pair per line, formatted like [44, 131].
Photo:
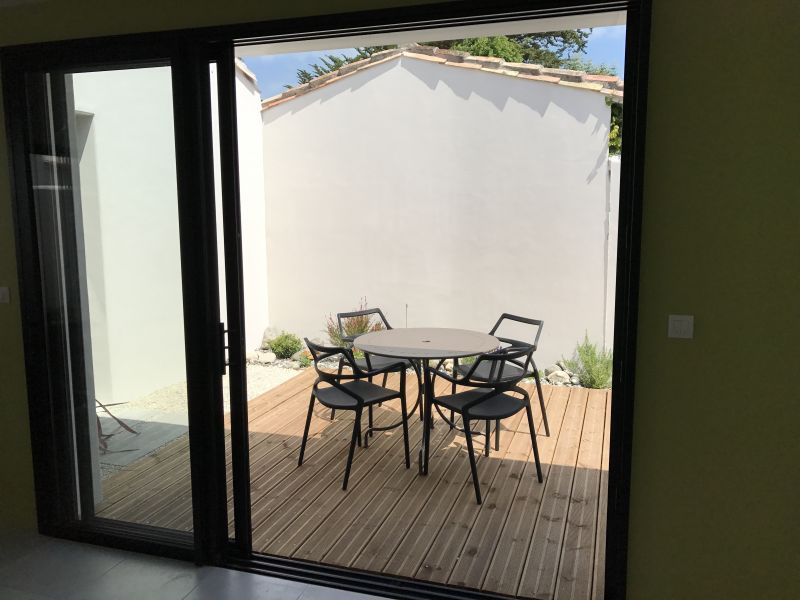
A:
[458, 194]
[130, 223]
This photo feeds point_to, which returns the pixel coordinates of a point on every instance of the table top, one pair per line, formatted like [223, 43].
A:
[426, 342]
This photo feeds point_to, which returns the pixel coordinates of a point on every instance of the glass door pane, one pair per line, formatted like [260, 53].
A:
[105, 200]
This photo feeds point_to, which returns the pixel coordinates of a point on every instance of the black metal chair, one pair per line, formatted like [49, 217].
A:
[370, 361]
[493, 380]
[352, 392]
[512, 369]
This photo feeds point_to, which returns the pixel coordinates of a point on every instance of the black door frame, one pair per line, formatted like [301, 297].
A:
[189, 52]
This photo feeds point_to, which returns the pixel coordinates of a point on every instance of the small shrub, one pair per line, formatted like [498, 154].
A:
[352, 326]
[285, 345]
[304, 360]
[591, 365]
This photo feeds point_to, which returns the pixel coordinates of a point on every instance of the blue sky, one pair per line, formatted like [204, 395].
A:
[606, 45]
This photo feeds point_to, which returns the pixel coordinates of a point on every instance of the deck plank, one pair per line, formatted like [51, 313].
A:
[598, 578]
[341, 524]
[499, 478]
[486, 533]
[453, 506]
[541, 564]
[574, 580]
[505, 568]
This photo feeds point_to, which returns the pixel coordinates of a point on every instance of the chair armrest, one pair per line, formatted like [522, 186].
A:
[387, 369]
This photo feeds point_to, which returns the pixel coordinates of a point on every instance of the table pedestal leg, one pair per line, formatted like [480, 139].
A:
[427, 420]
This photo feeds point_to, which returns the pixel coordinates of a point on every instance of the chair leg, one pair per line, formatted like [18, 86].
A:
[404, 412]
[358, 427]
[338, 373]
[385, 379]
[453, 391]
[305, 431]
[488, 437]
[471, 452]
[497, 434]
[356, 435]
[541, 402]
[533, 442]
[369, 421]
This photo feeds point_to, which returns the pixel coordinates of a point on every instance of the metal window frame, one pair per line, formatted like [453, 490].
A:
[189, 52]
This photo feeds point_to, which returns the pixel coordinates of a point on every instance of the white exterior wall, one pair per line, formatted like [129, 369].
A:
[461, 194]
[130, 225]
[251, 196]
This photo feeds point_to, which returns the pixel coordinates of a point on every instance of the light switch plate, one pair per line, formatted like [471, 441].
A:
[5, 295]
[681, 326]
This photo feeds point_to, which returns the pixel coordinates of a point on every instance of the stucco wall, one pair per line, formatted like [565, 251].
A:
[456, 193]
[251, 196]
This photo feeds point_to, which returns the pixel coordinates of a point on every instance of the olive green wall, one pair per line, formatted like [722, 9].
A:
[715, 487]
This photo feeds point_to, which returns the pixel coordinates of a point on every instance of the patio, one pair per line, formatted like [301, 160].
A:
[527, 539]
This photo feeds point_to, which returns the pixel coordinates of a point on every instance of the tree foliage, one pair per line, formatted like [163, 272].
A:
[500, 46]
[549, 49]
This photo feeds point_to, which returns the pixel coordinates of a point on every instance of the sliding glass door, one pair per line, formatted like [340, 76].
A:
[115, 209]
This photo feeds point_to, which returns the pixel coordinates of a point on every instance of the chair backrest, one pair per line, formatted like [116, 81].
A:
[496, 375]
[366, 323]
[506, 318]
[320, 353]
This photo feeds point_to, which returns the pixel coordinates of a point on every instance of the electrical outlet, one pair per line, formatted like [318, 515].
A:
[681, 327]
[5, 295]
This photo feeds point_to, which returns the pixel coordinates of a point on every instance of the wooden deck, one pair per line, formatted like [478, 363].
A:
[528, 539]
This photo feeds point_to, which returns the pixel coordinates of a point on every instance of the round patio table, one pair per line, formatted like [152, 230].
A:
[420, 344]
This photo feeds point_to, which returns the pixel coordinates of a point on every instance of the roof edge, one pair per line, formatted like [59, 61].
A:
[609, 85]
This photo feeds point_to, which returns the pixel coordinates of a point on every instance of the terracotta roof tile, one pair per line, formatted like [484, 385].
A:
[546, 78]
[564, 74]
[601, 78]
[501, 71]
[431, 58]
[463, 65]
[530, 69]
[595, 87]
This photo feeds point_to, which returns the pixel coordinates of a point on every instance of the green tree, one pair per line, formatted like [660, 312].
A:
[578, 63]
[500, 46]
[552, 48]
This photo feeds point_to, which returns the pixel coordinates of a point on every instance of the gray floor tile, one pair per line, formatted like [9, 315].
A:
[15, 543]
[56, 568]
[34, 567]
[217, 584]
[12, 594]
[141, 577]
[317, 592]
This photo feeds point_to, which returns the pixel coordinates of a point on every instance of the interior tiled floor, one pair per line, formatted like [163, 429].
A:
[34, 567]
